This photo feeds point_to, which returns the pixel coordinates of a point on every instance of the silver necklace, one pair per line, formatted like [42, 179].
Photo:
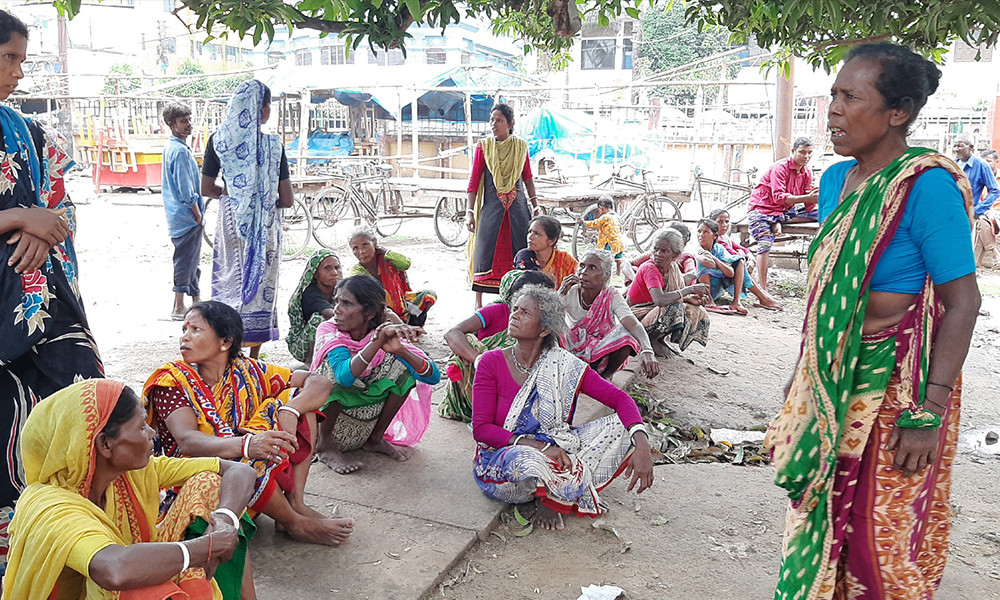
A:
[517, 364]
[582, 303]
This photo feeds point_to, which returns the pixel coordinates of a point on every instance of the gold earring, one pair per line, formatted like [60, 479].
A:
[223, 349]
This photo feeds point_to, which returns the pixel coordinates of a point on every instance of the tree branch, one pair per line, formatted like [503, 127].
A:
[854, 42]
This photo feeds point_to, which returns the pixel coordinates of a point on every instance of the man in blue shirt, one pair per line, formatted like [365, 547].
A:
[184, 205]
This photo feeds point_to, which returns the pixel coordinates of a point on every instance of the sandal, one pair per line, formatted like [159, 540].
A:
[722, 310]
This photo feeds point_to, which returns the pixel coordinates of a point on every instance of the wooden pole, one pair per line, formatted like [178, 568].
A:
[414, 137]
[468, 128]
[305, 99]
[785, 108]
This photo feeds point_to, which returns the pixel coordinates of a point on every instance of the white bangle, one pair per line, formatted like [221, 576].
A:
[290, 409]
[225, 511]
[246, 445]
[647, 351]
[187, 556]
[545, 447]
[636, 429]
[362, 357]
[517, 439]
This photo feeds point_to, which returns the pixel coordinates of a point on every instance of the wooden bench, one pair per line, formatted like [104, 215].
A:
[789, 232]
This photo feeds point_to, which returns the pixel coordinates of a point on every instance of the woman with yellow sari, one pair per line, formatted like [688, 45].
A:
[498, 214]
[89, 524]
[865, 441]
[218, 402]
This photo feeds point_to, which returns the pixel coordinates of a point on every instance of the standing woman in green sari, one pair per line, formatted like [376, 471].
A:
[498, 214]
[865, 442]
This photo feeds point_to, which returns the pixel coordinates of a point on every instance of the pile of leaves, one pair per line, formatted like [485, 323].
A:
[675, 443]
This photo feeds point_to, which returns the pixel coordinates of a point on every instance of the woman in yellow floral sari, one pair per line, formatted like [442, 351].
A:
[866, 439]
[86, 526]
[217, 402]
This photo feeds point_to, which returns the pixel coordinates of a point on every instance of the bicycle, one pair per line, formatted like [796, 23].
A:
[639, 218]
[724, 196]
[340, 208]
[296, 226]
[449, 221]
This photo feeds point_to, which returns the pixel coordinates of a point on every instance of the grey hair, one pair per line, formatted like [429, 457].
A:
[963, 138]
[364, 232]
[550, 304]
[673, 237]
[174, 111]
[607, 261]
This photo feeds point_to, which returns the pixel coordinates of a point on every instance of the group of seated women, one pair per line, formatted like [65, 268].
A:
[234, 436]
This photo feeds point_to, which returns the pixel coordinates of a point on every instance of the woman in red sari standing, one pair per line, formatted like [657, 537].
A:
[498, 214]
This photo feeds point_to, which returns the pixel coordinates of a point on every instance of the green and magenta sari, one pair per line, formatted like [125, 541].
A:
[856, 528]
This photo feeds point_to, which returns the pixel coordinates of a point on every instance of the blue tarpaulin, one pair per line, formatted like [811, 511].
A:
[567, 133]
[322, 146]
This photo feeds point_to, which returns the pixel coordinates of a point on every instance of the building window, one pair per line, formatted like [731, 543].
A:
[627, 53]
[597, 54]
[168, 6]
[213, 51]
[303, 58]
[437, 57]
[232, 52]
[466, 58]
[396, 58]
[335, 55]
[592, 30]
[392, 58]
[170, 45]
[966, 53]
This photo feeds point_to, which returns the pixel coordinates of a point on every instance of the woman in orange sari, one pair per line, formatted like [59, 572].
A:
[86, 526]
[542, 255]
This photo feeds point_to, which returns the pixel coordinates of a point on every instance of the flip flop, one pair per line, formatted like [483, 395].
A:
[177, 316]
[722, 310]
[776, 308]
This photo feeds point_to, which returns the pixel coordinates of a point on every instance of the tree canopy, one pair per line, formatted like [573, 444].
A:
[823, 31]
[820, 31]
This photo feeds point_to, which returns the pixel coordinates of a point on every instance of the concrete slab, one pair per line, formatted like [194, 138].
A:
[389, 556]
[435, 484]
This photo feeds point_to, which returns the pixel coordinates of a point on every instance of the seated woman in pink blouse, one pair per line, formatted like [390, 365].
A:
[485, 330]
[522, 406]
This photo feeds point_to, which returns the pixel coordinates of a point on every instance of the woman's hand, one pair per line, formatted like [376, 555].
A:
[916, 449]
[225, 537]
[559, 456]
[395, 335]
[568, 282]
[274, 446]
[287, 421]
[640, 464]
[49, 225]
[470, 221]
[698, 289]
[30, 253]
[649, 365]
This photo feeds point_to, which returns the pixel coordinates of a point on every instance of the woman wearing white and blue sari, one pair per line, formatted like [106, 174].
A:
[248, 233]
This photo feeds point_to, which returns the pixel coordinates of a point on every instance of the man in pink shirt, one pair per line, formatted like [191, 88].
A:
[776, 199]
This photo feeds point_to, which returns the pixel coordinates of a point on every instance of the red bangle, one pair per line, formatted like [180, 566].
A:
[207, 560]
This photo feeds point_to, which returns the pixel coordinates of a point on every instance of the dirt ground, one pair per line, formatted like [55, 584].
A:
[702, 531]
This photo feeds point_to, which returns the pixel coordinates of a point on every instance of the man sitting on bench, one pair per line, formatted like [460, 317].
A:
[785, 194]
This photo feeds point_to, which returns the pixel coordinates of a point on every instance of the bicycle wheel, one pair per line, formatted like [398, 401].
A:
[335, 214]
[390, 211]
[585, 238]
[296, 229]
[449, 222]
[209, 219]
[656, 213]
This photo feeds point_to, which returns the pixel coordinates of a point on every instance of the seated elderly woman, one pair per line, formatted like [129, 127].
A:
[669, 310]
[390, 268]
[88, 525]
[522, 407]
[217, 402]
[312, 302]
[381, 396]
[485, 330]
[725, 272]
[685, 260]
[541, 254]
[602, 332]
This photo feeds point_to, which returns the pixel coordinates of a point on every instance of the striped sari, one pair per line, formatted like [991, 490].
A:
[856, 527]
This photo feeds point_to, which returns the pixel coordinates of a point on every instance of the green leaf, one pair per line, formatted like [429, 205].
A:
[525, 532]
[414, 7]
[520, 519]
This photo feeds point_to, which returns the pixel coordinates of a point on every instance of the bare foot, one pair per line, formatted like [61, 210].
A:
[738, 307]
[300, 507]
[386, 448]
[659, 349]
[546, 518]
[329, 532]
[336, 460]
[768, 301]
